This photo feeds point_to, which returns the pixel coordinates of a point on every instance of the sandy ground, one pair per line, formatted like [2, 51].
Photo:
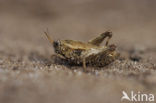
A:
[29, 75]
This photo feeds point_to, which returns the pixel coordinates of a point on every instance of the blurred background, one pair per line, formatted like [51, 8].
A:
[131, 21]
[24, 47]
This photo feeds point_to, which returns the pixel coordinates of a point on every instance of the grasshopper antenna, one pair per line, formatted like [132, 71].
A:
[49, 38]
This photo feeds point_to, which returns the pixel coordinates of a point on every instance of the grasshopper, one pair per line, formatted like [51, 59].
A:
[86, 53]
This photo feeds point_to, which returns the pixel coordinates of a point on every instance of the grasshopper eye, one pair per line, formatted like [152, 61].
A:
[56, 43]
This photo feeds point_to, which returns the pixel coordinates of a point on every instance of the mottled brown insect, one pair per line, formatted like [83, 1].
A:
[90, 53]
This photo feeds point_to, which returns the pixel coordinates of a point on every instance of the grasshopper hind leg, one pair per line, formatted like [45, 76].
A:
[98, 40]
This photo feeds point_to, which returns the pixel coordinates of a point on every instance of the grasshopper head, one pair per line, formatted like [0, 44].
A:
[57, 46]
[56, 43]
